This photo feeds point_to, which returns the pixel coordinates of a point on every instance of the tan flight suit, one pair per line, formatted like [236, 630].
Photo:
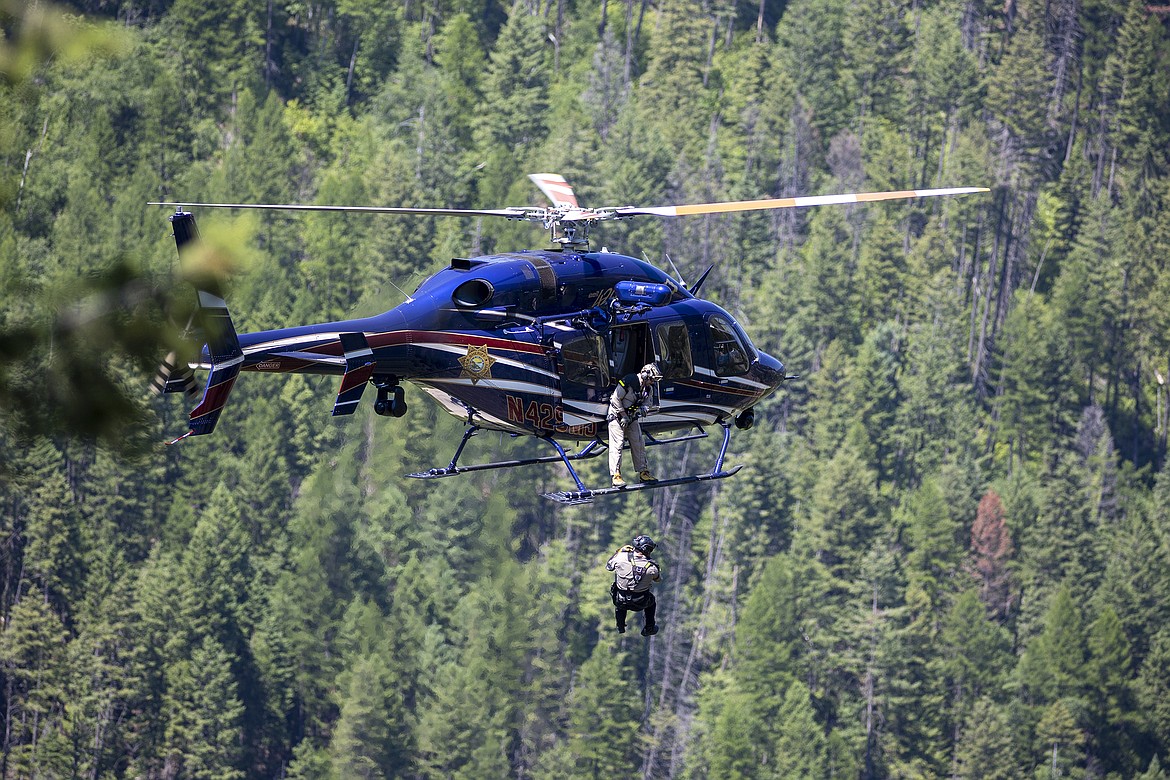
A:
[634, 573]
[622, 426]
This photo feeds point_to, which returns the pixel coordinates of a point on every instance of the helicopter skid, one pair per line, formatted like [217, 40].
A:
[573, 497]
[451, 471]
[591, 450]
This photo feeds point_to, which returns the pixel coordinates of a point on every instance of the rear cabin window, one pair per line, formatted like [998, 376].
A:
[731, 357]
[585, 362]
[674, 350]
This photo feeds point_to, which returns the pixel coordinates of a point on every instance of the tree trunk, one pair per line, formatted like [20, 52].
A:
[629, 66]
[268, 48]
[349, 73]
[979, 369]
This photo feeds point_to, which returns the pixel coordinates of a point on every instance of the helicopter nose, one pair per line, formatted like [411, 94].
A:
[770, 370]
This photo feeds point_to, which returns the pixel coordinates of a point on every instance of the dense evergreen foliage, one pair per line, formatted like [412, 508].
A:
[948, 556]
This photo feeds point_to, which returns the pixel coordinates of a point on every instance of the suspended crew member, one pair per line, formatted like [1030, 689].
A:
[627, 403]
[633, 574]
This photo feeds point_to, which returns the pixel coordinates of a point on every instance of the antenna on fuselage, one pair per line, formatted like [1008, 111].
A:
[702, 279]
[674, 268]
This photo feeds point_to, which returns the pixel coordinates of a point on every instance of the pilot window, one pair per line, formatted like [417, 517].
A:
[585, 362]
[730, 356]
[674, 350]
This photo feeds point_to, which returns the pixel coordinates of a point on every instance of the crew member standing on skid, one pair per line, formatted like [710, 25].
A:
[626, 404]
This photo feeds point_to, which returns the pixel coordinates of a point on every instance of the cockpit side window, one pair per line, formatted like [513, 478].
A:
[674, 350]
[731, 356]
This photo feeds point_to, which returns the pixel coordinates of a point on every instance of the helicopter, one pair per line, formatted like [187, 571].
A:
[530, 343]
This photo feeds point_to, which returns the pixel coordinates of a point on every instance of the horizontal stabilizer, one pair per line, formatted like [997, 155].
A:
[174, 377]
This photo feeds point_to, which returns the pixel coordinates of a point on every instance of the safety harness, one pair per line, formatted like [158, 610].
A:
[629, 599]
[630, 382]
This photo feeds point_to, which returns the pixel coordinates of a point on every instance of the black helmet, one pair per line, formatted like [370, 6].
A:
[644, 544]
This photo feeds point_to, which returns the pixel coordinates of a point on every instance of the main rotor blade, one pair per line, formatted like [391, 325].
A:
[787, 203]
[555, 188]
[511, 213]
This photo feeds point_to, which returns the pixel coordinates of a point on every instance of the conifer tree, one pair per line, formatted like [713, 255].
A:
[515, 92]
[203, 714]
[936, 402]
[991, 554]
[1111, 704]
[972, 656]
[872, 394]
[1153, 689]
[216, 46]
[875, 52]
[986, 748]
[52, 554]
[800, 743]
[108, 675]
[155, 616]
[1135, 578]
[1033, 408]
[1017, 97]
[845, 510]
[33, 657]
[1059, 741]
[1083, 295]
[1154, 771]
[827, 303]
[768, 640]
[371, 737]
[672, 88]
[603, 713]
[740, 739]
[1136, 87]
[930, 531]
[810, 39]
[1053, 665]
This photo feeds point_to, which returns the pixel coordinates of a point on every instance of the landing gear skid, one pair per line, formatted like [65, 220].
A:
[584, 495]
[587, 496]
[590, 450]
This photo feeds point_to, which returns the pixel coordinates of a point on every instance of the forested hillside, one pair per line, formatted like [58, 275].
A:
[948, 554]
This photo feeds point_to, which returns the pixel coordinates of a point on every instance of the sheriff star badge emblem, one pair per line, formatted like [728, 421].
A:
[477, 363]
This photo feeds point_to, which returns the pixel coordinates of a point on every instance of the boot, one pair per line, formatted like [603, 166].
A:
[650, 630]
[617, 479]
[645, 476]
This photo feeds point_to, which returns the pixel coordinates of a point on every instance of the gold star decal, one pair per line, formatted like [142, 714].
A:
[477, 363]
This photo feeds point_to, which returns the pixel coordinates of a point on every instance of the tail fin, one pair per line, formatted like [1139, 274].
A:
[223, 346]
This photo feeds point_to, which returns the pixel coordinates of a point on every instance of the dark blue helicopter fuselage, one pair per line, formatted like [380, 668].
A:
[533, 342]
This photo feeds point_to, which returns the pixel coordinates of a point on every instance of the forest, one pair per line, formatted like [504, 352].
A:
[947, 556]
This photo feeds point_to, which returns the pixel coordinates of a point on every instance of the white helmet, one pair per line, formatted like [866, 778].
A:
[650, 371]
